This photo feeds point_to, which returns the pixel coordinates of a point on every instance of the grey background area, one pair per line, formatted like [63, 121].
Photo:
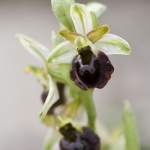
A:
[20, 127]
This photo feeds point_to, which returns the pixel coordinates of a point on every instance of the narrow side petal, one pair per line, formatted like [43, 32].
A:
[52, 97]
[71, 36]
[98, 33]
[112, 44]
[63, 53]
[81, 18]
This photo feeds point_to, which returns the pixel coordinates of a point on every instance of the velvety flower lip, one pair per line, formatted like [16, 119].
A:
[75, 140]
[90, 71]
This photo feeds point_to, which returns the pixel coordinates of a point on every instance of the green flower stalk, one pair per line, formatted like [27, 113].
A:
[77, 64]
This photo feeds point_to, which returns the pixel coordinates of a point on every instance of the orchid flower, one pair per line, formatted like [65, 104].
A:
[90, 67]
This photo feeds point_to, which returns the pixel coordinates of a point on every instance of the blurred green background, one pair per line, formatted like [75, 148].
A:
[20, 127]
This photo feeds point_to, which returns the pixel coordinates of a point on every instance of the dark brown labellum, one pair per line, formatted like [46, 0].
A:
[89, 71]
[75, 140]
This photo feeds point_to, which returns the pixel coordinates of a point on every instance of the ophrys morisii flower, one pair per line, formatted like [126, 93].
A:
[91, 68]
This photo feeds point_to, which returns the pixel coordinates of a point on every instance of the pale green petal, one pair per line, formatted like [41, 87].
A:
[81, 18]
[112, 44]
[32, 46]
[131, 136]
[52, 97]
[56, 39]
[61, 9]
[63, 53]
[97, 8]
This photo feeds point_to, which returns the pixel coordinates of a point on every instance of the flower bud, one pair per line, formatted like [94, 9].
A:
[91, 71]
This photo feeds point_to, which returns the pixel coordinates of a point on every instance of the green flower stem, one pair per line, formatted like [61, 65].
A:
[88, 103]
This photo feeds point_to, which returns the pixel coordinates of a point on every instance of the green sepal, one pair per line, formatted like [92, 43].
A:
[112, 44]
[56, 39]
[62, 53]
[81, 18]
[97, 8]
[98, 33]
[131, 136]
[94, 20]
[35, 48]
[61, 9]
[71, 36]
